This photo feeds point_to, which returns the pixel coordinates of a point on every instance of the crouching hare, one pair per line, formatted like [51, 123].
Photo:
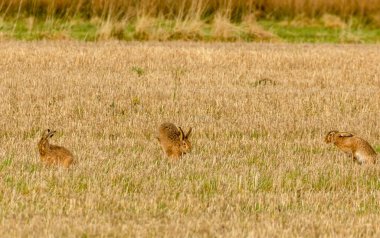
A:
[53, 154]
[173, 140]
[359, 149]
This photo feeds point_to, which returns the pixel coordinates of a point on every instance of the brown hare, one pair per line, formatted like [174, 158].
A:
[173, 140]
[359, 149]
[53, 154]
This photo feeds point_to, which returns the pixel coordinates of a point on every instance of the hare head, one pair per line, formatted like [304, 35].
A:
[185, 144]
[333, 135]
[329, 136]
[47, 134]
[43, 144]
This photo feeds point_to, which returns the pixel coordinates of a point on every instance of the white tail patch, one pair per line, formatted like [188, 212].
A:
[361, 158]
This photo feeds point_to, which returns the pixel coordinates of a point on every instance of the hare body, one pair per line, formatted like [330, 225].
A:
[173, 140]
[53, 154]
[359, 149]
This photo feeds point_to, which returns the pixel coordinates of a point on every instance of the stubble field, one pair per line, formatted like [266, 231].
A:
[259, 166]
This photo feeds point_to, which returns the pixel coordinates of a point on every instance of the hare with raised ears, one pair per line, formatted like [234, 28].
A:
[359, 149]
[53, 154]
[173, 140]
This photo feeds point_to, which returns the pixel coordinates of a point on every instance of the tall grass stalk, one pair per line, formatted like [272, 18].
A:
[235, 9]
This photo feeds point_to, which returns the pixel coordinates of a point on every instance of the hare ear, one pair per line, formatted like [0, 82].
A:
[188, 133]
[51, 133]
[181, 134]
[345, 134]
[45, 133]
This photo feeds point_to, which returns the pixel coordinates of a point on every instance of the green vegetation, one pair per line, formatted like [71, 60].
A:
[187, 20]
[162, 30]
[336, 21]
[359, 33]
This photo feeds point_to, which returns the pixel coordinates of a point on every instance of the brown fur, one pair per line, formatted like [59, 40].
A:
[173, 140]
[359, 149]
[53, 154]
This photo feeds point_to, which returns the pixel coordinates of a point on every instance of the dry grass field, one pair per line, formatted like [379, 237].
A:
[259, 166]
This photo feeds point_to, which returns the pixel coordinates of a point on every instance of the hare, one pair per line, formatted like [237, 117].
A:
[173, 141]
[359, 149]
[53, 154]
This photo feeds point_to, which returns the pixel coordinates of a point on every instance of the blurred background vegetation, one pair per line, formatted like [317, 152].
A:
[207, 20]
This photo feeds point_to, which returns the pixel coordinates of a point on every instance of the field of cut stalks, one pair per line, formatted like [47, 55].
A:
[259, 165]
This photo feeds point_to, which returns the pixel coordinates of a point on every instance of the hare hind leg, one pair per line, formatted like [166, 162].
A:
[67, 162]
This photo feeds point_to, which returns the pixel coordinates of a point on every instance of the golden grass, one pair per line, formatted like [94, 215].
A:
[236, 9]
[188, 20]
[223, 29]
[110, 30]
[259, 166]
